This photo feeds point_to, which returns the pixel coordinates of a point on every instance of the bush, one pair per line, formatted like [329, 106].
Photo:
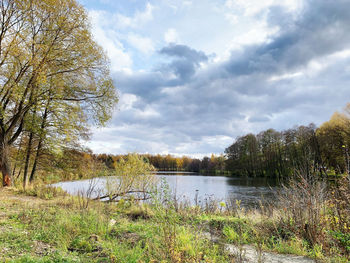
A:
[133, 181]
[303, 208]
[45, 191]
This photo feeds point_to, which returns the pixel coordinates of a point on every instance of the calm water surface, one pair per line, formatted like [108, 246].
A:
[187, 186]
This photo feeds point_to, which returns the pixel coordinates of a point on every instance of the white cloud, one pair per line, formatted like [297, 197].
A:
[143, 44]
[139, 18]
[147, 112]
[253, 7]
[239, 90]
[178, 5]
[286, 76]
[314, 66]
[317, 65]
[127, 101]
[120, 59]
[260, 34]
[187, 3]
[171, 36]
[173, 90]
[233, 19]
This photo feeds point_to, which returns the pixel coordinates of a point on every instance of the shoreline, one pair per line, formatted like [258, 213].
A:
[62, 227]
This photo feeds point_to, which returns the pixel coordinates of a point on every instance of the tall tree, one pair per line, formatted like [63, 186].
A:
[47, 54]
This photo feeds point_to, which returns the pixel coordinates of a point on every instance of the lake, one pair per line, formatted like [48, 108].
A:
[191, 186]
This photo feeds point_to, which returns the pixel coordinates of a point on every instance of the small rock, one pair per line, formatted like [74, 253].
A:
[112, 222]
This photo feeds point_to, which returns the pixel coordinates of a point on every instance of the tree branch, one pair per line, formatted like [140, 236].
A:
[120, 194]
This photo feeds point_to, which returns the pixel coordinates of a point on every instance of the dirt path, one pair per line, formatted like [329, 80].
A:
[250, 255]
[11, 194]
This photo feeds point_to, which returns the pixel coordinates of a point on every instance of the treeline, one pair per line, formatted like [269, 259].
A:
[71, 163]
[213, 164]
[307, 150]
[304, 149]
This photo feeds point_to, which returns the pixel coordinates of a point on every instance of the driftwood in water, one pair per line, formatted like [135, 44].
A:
[113, 197]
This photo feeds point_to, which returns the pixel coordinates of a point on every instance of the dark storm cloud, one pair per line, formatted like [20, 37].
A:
[148, 85]
[185, 52]
[322, 28]
[240, 94]
[186, 60]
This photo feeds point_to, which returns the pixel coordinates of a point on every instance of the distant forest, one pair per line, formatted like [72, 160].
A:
[171, 163]
[307, 150]
[303, 149]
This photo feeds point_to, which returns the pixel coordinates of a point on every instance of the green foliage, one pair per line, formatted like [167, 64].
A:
[308, 150]
[274, 154]
[343, 239]
[136, 212]
[44, 191]
[56, 79]
[55, 257]
[136, 233]
[294, 246]
[133, 176]
[81, 244]
[238, 232]
[101, 233]
[232, 235]
[317, 252]
[213, 165]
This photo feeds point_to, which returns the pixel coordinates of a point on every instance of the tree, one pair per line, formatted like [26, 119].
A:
[243, 155]
[270, 142]
[134, 179]
[194, 165]
[179, 163]
[205, 163]
[334, 137]
[276, 154]
[49, 62]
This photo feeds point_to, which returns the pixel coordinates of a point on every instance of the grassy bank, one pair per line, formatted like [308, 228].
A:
[55, 227]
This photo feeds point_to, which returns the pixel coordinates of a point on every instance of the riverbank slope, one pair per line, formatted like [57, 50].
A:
[56, 227]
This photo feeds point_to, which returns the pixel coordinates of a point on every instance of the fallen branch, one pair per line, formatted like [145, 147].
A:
[115, 196]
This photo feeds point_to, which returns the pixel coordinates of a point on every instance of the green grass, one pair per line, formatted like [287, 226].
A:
[60, 230]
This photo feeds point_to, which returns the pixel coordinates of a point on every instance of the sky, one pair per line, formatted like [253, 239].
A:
[192, 75]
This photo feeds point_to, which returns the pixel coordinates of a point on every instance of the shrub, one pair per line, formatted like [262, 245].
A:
[133, 181]
[303, 207]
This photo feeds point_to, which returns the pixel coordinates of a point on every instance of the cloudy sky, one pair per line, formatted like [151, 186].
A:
[192, 75]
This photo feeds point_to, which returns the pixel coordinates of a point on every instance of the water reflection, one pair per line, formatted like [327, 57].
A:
[251, 191]
[190, 187]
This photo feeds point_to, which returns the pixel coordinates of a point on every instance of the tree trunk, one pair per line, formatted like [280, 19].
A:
[31, 178]
[16, 161]
[26, 165]
[5, 165]
[41, 138]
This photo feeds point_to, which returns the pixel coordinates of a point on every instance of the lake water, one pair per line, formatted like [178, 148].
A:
[192, 188]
